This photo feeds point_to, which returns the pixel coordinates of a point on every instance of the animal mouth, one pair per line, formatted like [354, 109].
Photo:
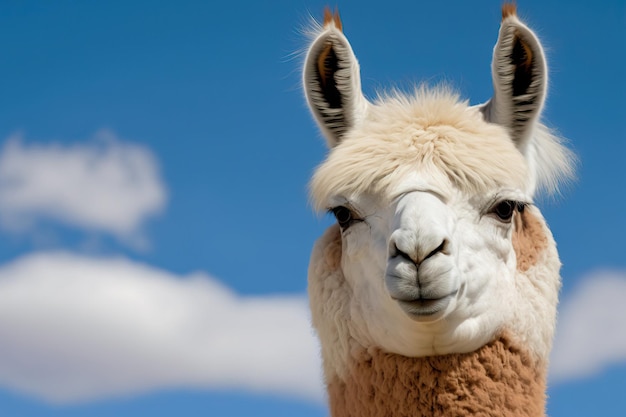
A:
[425, 307]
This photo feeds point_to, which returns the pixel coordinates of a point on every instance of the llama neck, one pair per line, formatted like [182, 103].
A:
[498, 380]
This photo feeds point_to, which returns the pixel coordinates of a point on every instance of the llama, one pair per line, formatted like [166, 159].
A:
[435, 292]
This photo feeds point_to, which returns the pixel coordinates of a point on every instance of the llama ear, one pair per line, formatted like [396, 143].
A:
[332, 82]
[520, 79]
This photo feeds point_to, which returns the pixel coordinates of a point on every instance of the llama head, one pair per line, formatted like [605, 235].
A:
[438, 246]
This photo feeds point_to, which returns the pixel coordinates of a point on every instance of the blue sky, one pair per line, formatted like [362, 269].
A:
[155, 224]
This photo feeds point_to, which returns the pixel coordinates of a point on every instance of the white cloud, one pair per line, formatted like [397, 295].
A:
[75, 328]
[105, 185]
[591, 331]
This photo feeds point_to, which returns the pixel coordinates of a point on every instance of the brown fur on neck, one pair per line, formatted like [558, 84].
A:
[498, 380]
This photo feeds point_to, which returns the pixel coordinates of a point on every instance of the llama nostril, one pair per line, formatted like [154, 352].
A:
[443, 247]
[417, 256]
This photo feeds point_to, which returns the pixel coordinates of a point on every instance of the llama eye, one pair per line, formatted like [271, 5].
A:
[505, 209]
[343, 215]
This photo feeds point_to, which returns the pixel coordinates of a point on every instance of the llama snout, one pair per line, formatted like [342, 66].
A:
[423, 290]
[420, 274]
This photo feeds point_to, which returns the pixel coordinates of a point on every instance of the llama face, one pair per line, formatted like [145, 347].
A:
[433, 200]
[430, 264]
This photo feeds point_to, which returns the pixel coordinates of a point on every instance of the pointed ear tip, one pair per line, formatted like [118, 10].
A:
[328, 16]
[509, 9]
[331, 18]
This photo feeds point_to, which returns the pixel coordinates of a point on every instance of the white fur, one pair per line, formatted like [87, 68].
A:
[421, 174]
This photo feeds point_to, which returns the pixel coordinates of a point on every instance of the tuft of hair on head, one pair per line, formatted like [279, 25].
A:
[554, 163]
[332, 18]
[509, 9]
